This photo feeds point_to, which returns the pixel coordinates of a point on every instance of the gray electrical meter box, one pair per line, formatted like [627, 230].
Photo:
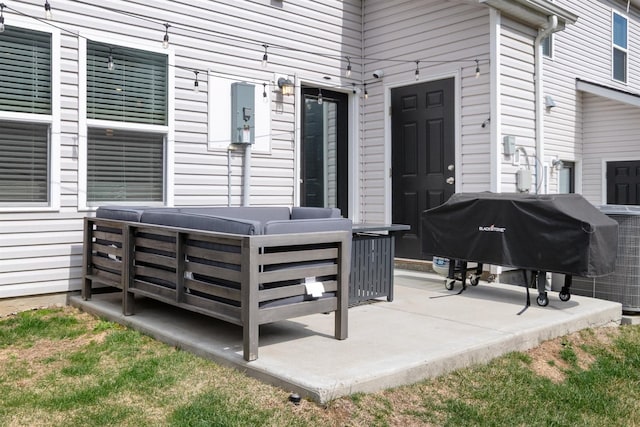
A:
[242, 113]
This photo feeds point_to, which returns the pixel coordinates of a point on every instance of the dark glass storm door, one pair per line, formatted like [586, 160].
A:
[324, 150]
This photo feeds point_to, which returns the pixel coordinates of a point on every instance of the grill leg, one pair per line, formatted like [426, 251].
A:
[463, 274]
[565, 292]
[541, 279]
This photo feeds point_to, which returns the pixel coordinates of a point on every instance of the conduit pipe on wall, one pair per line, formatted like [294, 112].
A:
[551, 27]
[246, 176]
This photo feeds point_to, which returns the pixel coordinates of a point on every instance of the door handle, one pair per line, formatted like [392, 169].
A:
[450, 180]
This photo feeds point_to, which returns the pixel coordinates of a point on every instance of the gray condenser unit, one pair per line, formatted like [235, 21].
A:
[623, 285]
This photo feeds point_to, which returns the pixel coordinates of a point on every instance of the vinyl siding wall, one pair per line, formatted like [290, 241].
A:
[611, 133]
[40, 252]
[517, 97]
[583, 50]
[402, 31]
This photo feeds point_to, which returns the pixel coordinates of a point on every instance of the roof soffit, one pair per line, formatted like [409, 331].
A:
[534, 12]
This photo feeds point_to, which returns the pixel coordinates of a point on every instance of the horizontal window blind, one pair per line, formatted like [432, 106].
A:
[25, 67]
[24, 163]
[124, 166]
[135, 90]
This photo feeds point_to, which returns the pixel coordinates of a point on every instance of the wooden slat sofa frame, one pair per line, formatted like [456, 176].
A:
[247, 280]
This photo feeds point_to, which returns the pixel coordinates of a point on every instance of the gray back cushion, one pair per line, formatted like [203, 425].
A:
[124, 213]
[203, 222]
[254, 213]
[307, 225]
[309, 213]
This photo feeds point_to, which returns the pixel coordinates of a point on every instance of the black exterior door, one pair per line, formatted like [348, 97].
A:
[623, 183]
[324, 151]
[423, 156]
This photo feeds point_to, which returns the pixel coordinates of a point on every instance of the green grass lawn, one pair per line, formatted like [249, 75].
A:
[62, 367]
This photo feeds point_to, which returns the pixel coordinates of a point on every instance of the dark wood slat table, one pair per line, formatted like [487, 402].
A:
[372, 255]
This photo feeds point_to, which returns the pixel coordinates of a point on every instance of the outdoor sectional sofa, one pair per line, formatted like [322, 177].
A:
[244, 265]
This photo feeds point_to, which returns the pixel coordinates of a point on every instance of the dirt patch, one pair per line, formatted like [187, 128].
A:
[548, 360]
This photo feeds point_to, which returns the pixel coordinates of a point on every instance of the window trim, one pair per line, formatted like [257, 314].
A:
[53, 119]
[569, 165]
[84, 123]
[550, 38]
[615, 47]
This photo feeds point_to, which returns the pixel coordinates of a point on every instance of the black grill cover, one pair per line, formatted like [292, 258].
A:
[560, 233]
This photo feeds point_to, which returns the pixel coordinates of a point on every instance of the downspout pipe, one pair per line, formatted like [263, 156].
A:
[551, 27]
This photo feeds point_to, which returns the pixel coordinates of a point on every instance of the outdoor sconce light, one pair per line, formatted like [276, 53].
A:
[285, 85]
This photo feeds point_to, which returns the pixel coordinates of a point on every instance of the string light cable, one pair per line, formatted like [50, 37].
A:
[363, 60]
[275, 46]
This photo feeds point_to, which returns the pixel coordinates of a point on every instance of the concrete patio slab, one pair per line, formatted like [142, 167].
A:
[425, 332]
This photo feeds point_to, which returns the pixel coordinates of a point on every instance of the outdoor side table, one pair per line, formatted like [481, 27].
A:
[372, 255]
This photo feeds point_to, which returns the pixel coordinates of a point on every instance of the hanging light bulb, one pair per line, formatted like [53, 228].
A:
[348, 72]
[47, 10]
[265, 57]
[110, 64]
[319, 96]
[165, 40]
[1, 18]
[417, 70]
[265, 99]
[477, 68]
[196, 85]
[366, 94]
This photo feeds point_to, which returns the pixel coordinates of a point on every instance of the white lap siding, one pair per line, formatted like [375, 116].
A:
[40, 252]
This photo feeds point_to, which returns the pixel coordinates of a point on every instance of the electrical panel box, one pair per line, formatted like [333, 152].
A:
[242, 113]
[523, 180]
[509, 142]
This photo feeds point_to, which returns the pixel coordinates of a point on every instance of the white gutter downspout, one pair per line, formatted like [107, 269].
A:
[539, 88]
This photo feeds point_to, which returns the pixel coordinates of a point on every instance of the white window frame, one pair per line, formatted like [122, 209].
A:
[53, 119]
[615, 47]
[84, 123]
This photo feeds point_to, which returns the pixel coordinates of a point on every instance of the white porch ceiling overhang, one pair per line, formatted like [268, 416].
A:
[609, 93]
[534, 12]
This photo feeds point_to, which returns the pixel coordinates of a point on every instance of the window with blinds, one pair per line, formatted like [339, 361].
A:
[25, 67]
[125, 166]
[134, 90]
[24, 163]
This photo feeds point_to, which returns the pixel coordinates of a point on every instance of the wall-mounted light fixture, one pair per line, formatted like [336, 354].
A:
[557, 164]
[285, 85]
[549, 102]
